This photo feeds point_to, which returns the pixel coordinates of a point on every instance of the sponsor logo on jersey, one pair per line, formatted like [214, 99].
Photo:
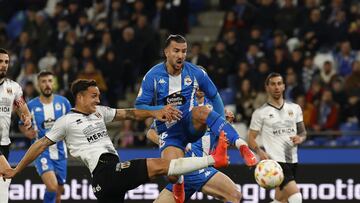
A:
[95, 132]
[78, 121]
[162, 81]
[175, 98]
[4, 109]
[96, 189]
[271, 116]
[187, 80]
[47, 124]
[38, 109]
[5, 104]
[97, 114]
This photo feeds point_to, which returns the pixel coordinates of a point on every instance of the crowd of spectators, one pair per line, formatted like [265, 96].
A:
[314, 44]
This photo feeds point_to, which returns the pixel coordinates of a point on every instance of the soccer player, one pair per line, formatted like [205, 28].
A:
[209, 180]
[280, 125]
[175, 82]
[45, 110]
[11, 98]
[86, 137]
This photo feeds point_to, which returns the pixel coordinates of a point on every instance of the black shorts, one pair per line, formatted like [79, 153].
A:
[289, 170]
[5, 150]
[112, 179]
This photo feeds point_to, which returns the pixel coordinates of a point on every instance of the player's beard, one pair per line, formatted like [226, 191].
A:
[2, 74]
[47, 93]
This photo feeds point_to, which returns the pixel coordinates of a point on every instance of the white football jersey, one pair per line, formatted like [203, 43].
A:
[276, 126]
[85, 135]
[10, 92]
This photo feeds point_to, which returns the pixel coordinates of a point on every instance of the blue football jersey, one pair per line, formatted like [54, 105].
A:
[158, 88]
[44, 116]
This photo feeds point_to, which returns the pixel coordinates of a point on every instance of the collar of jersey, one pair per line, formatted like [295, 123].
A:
[275, 106]
[76, 111]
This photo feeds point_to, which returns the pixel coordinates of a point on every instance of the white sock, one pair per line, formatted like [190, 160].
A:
[239, 142]
[4, 190]
[180, 179]
[186, 165]
[295, 198]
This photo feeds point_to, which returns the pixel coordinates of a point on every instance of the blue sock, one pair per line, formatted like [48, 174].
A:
[49, 197]
[217, 123]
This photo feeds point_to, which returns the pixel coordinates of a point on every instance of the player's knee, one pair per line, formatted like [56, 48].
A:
[200, 113]
[52, 188]
[234, 197]
[157, 167]
[295, 198]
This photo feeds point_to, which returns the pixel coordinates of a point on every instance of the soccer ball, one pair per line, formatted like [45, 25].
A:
[268, 174]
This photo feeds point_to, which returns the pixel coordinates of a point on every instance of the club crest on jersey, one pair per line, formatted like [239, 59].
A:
[9, 90]
[122, 165]
[57, 107]
[291, 113]
[175, 98]
[187, 80]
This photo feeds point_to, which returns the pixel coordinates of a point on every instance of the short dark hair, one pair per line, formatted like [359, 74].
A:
[44, 73]
[3, 51]
[176, 38]
[272, 75]
[81, 85]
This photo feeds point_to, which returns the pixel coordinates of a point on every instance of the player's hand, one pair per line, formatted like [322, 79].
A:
[262, 154]
[168, 113]
[27, 121]
[30, 133]
[229, 115]
[9, 173]
[297, 139]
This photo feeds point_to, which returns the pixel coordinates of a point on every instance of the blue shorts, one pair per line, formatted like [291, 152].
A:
[43, 164]
[195, 181]
[180, 134]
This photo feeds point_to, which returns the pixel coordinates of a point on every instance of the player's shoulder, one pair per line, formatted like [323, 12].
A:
[291, 104]
[60, 98]
[262, 108]
[156, 70]
[11, 82]
[34, 102]
[194, 68]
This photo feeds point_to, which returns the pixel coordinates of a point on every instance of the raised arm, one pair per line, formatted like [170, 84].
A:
[33, 152]
[167, 113]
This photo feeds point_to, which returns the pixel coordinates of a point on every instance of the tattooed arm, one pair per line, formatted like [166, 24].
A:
[23, 112]
[301, 133]
[168, 113]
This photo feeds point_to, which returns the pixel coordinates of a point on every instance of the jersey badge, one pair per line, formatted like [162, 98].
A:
[187, 80]
[57, 107]
[9, 90]
[291, 113]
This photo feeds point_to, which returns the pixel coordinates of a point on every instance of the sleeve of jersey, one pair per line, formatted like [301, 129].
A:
[18, 92]
[146, 94]
[299, 117]
[67, 105]
[107, 112]
[256, 122]
[58, 131]
[210, 90]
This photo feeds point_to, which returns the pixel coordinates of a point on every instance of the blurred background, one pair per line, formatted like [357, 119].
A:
[314, 44]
